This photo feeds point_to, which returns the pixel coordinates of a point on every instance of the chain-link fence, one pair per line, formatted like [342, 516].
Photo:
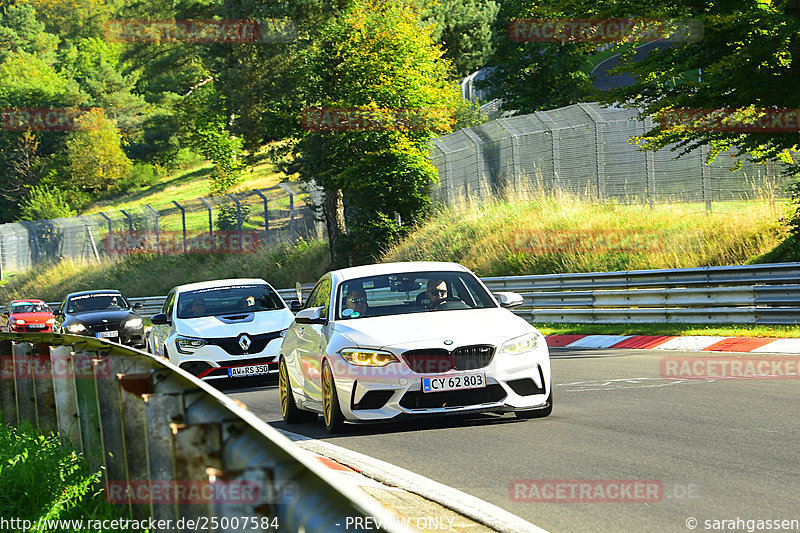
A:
[233, 223]
[585, 149]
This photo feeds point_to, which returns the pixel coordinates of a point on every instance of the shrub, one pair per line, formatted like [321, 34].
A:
[45, 202]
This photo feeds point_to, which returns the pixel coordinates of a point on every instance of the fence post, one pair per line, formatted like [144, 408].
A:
[599, 149]
[479, 174]
[160, 410]
[706, 173]
[238, 218]
[448, 168]
[551, 127]
[210, 223]
[650, 167]
[158, 238]
[516, 164]
[65, 396]
[266, 214]
[290, 192]
[110, 237]
[130, 226]
[183, 222]
[90, 237]
[23, 379]
[43, 385]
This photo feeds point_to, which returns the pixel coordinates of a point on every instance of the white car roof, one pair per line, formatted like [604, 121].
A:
[396, 268]
[218, 283]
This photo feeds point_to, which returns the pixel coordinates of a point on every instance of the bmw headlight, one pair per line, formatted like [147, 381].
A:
[520, 345]
[186, 345]
[134, 323]
[76, 328]
[358, 357]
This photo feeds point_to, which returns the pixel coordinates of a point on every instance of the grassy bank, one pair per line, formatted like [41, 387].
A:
[42, 480]
[153, 275]
[558, 233]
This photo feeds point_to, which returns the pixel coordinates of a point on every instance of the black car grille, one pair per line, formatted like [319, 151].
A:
[257, 343]
[374, 399]
[455, 398]
[105, 326]
[438, 360]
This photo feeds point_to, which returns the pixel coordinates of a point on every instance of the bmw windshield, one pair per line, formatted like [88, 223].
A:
[107, 301]
[415, 292]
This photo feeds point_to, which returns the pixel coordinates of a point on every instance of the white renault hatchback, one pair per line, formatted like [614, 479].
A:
[221, 329]
[382, 342]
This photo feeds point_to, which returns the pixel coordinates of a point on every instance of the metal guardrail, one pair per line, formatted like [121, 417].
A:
[750, 294]
[159, 429]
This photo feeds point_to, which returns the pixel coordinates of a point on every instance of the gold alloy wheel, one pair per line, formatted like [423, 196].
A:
[283, 388]
[327, 401]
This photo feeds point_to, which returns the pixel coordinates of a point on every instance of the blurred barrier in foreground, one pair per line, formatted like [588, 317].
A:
[173, 447]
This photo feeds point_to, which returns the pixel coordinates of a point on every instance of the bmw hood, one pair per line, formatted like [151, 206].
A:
[432, 329]
[97, 317]
[222, 326]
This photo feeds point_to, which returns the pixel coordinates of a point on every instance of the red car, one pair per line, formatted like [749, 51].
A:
[27, 316]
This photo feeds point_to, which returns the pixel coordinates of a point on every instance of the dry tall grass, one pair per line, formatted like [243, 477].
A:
[539, 232]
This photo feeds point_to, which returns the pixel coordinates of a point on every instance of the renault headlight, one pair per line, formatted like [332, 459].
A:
[359, 357]
[520, 345]
[134, 323]
[187, 345]
[76, 328]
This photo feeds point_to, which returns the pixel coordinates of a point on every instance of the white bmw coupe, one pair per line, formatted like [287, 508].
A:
[381, 342]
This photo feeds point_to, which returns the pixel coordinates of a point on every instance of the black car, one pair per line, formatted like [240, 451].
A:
[105, 314]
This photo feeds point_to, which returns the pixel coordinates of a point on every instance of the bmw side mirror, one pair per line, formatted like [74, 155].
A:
[137, 305]
[295, 306]
[298, 289]
[508, 299]
[160, 319]
[312, 315]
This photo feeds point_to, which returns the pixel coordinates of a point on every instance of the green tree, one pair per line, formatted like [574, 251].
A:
[94, 156]
[378, 56]
[44, 202]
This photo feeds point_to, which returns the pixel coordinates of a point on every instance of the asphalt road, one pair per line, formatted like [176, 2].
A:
[713, 449]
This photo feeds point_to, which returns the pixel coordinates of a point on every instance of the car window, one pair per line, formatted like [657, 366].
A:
[27, 307]
[397, 294]
[103, 301]
[323, 297]
[242, 298]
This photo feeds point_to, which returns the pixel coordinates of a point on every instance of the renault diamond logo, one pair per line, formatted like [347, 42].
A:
[244, 342]
[448, 342]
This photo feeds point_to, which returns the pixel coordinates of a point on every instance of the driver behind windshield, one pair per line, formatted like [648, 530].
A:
[437, 292]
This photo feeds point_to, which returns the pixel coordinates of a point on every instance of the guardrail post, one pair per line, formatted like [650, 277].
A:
[65, 396]
[23, 377]
[88, 413]
[197, 448]
[262, 507]
[131, 388]
[43, 385]
[8, 391]
[110, 410]
[160, 410]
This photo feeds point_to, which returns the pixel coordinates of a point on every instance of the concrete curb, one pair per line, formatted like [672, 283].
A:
[665, 342]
